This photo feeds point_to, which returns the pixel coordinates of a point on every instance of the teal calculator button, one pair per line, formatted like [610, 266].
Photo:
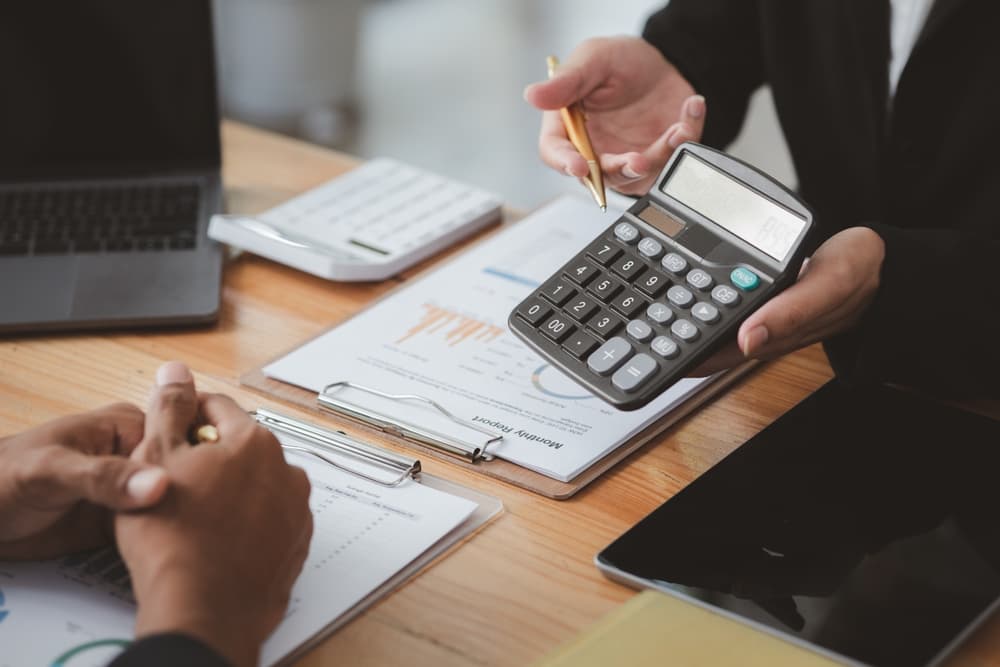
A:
[745, 279]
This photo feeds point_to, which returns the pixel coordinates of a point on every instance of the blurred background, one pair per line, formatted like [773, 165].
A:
[436, 83]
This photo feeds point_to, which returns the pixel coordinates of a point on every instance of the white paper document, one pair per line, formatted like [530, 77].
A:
[79, 611]
[444, 337]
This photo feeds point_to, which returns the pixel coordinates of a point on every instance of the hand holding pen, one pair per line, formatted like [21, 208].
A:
[639, 108]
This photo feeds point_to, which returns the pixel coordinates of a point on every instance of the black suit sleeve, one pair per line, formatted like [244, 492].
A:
[168, 650]
[716, 46]
[934, 323]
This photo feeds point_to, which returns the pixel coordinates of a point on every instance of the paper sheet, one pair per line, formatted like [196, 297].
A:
[79, 611]
[445, 338]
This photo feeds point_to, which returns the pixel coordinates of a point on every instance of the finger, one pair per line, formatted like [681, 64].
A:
[693, 113]
[581, 73]
[128, 422]
[224, 413]
[172, 411]
[794, 317]
[625, 171]
[555, 148]
[113, 429]
[115, 482]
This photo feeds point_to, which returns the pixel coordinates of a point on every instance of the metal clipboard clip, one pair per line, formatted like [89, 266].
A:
[442, 442]
[325, 445]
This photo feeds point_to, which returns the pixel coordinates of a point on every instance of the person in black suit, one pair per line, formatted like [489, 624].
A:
[890, 112]
[214, 536]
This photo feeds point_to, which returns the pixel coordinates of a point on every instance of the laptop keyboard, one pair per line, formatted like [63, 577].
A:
[93, 219]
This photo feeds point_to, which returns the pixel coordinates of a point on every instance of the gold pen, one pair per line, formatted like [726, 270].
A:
[576, 129]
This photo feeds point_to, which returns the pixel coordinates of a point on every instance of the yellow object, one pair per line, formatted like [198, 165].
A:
[576, 129]
[207, 433]
[653, 629]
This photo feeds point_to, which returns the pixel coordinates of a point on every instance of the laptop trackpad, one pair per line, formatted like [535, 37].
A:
[36, 289]
[129, 285]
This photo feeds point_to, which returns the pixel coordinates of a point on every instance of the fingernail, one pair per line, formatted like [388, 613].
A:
[145, 484]
[628, 172]
[754, 340]
[696, 107]
[173, 372]
[568, 171]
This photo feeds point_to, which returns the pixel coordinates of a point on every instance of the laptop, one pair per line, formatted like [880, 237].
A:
[109, 165]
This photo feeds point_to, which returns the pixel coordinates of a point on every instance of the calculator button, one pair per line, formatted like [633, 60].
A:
[652, 284]
[745, 279]
[626, 233]
[651, 248]
[639, 330]
[605, 288]
[684, 330]
[581, 307]
[557, 291]
[674, 263]
[635, 373]
[680, 296]
[705, 312]
[580, 344]
[534, 310]
[659, 313]
[628, 304]
[557, 328]
[665, 347]
[725, 295]
[628, 267]
[604, 324]
[581, 272]
[609, 356]
[700, 280]
[603, 251]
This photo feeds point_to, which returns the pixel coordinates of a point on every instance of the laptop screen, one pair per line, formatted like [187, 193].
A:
[101, 88]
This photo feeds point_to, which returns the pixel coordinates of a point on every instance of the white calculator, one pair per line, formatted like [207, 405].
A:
[368, 224]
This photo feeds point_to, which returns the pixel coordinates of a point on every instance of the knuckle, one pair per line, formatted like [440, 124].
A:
[172, 399]
[32, 472]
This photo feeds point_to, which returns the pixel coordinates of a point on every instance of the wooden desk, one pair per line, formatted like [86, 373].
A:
[510, 594]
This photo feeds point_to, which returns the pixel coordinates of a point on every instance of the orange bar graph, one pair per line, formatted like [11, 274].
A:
[454, 327]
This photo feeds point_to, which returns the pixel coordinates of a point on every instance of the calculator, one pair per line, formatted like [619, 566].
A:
[671, 280]
[367, 224]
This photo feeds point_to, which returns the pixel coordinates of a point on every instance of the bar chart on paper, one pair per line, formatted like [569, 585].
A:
[444, 338]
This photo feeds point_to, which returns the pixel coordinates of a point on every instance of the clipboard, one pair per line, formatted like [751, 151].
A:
[531, 241]
[335, 448]
[87, 594]
[475, 456]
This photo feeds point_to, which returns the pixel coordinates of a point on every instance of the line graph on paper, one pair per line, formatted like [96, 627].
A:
[451, 327]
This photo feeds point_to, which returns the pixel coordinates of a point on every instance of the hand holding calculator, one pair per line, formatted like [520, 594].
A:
[671, 281]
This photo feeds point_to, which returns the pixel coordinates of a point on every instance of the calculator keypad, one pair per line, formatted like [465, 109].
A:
[558, 291]
[582, 273]
[609, 356]
[630, 308]
[605, 288]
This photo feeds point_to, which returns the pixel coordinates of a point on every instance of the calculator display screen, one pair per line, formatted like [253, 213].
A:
[734, 207]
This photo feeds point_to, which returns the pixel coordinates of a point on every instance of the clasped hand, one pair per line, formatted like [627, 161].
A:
[214, 536]
[640, 108]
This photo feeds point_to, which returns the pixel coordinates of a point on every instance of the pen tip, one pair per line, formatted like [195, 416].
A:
[604, 209]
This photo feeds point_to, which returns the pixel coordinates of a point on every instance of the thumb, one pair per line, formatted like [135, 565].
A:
[790, 319]
[574, 80]
[114, 482]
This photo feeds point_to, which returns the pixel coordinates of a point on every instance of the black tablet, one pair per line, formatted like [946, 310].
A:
[862, 524]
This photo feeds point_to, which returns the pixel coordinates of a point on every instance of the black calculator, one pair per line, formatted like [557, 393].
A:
[671, 280]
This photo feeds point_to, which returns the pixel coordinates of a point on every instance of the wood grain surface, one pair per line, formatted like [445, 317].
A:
[512, 592]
